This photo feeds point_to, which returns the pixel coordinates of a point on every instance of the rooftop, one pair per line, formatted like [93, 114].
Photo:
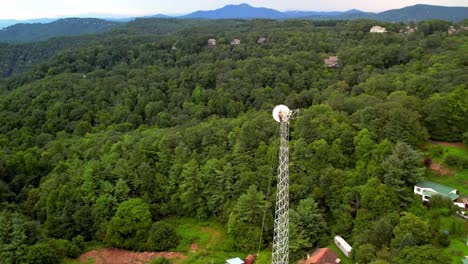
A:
[323, 256]
[442, 189]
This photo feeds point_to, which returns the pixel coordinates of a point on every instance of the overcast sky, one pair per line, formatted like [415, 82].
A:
[26, 9]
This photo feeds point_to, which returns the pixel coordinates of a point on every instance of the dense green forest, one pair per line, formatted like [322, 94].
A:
[105, 140]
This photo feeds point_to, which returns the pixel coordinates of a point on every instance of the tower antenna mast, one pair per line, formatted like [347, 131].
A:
[280, 254]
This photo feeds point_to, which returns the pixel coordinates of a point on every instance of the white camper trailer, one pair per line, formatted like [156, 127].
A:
[343, 245]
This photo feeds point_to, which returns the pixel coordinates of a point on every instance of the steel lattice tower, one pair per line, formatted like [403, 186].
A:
[280, 254]
[281, 232]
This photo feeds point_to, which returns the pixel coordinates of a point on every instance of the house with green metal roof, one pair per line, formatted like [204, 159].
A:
[427, 189]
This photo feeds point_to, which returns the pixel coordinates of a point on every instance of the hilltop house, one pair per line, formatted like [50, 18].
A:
[331, 62]
[235, 42]
[452, 30]
[408, 30]
[378, 29]
[212, 43]
[427, 189]
[321, 256]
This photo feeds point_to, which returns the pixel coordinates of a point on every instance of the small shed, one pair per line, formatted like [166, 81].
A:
[235, 42]
[261, 40]
[235, 261]
[212, 43]
[331, 62]
[250, 259]
[378, 29]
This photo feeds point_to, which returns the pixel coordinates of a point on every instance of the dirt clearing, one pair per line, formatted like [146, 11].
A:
[119, 256]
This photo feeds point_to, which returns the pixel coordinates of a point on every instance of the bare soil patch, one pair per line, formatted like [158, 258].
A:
[119, 256]
[441, 169]
[194, 247]
[449, 144]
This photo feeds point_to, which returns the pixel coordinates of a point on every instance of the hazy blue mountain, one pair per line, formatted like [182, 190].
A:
[300, 14]
[62, 27]
[424, 12]
[159, 16]
[411, 13]
[9, 22]
[237, 11]
[405, 14]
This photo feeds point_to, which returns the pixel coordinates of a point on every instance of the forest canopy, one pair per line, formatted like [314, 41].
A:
[107, 138]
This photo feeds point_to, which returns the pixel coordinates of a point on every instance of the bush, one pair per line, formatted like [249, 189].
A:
[455, 161]
[129, 227]
[78, 241]
[162, 237]
[42, 253]
[63, 248]
[443, 239]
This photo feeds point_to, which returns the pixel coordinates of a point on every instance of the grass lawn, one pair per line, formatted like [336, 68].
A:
[447, 150]
[457, 248]
[460, 179]
[344, 259]
[214, 245]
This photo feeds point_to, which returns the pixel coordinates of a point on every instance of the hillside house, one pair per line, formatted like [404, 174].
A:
[235, 42]
[212, 43]
[427, 189]
[261, 40]
[321, 256]
[408, 30]
[235, 261]
[378, 29]
[331, 62]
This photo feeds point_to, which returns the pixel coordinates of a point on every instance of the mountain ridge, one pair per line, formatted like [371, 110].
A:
[63, 27]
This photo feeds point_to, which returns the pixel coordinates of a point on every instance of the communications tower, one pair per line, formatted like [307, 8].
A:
[280, 254]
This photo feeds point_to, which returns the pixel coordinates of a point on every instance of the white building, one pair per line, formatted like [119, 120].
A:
[427, 189]
[343, 246]
[378, 29]
[212, 43]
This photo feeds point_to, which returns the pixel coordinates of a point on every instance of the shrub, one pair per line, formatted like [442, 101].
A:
[455, 161]
[162, 237]
[42, 253]
[443, 239]
[63, 248]
[129, 227]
